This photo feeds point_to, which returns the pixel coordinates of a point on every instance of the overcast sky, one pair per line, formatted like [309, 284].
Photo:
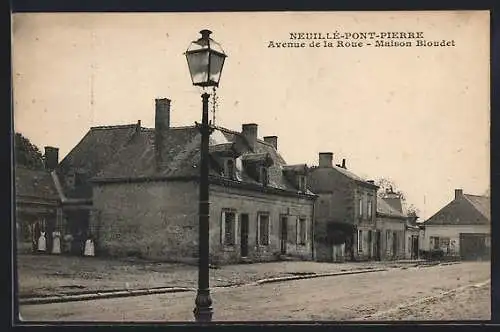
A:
[419, 116]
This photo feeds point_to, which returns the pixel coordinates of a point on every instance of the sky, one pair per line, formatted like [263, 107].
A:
[416, 115]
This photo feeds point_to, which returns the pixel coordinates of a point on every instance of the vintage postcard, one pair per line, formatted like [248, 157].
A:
[258, 166]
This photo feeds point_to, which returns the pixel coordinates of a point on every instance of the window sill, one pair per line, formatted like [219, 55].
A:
[229, 247]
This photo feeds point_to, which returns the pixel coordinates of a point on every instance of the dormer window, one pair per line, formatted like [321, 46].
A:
[264, 175]
[301, 182]
[229, 168]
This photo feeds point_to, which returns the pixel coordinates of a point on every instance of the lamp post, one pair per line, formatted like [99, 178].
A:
[205, 59]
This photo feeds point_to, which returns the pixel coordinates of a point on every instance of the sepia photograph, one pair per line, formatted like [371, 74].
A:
[252, 166]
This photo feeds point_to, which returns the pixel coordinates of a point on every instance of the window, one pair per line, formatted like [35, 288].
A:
[370, 206]
[264, 177]
[360, 207]
[301, 231]
[229, 169]
[228, 228]
[360, 240]
[387, 238]
[301, 179]
[444, 242]
[263, 229]
[434, 242]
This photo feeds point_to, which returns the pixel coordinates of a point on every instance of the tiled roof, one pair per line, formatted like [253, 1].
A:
[481, 203]
[395, 203]
[137, 159]
[383, 208]
[34, 183]
[96, 150]
[465, 210]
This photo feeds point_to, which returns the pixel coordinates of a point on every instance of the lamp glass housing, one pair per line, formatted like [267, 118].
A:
[205, 58]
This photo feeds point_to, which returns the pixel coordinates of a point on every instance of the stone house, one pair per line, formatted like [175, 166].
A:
[461, 228]
[145, 201]
[71, 177]
[391, 227]
[345, 212]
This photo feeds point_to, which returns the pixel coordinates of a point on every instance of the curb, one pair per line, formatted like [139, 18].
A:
[310, 276]
[102, 295]
[139, 292]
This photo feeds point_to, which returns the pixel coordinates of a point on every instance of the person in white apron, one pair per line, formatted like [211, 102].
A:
[89, 250]
[42, 242]
[56, 242]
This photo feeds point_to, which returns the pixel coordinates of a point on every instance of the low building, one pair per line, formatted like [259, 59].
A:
[37, 204]
[461, 228]
[390, 229]
[345, 212]
[412, 231]
[145, 201]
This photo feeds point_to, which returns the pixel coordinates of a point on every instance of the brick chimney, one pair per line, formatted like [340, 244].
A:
[458, 193]
[138, 127]
[273, 140]
[249, 131]
[162, 124]
[51, 158]
[326, 159]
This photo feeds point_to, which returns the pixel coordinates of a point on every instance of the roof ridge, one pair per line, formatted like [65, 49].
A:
[114, 126]
[482, 196]
[230, 131]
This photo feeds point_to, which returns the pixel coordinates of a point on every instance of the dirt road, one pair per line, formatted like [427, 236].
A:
[352, 297]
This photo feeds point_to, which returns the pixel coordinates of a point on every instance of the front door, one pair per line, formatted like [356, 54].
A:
[415, 247]
[284, 234]
[369, 244]
[244, 235]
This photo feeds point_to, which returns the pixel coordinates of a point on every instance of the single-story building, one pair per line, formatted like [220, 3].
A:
[461, 228]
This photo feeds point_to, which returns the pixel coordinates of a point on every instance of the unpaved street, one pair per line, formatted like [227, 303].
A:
[351, 297]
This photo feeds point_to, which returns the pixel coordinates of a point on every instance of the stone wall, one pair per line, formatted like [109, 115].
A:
[159, 220]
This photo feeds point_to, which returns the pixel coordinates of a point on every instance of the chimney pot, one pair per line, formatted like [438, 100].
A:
[51, 158]
[343, 164]
[162, 124]
[326, 159]
[273, 140]
[249, 131]
[458, 193]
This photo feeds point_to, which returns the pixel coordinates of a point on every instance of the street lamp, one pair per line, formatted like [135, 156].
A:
[205, 59]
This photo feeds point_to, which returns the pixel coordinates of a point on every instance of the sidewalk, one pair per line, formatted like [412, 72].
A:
[49, 276]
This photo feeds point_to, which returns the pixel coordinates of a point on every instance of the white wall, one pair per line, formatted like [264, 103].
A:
[450, 231]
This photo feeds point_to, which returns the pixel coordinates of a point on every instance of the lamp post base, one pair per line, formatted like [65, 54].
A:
[203, 310]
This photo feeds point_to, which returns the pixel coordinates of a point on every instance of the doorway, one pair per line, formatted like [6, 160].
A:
[370, 244]
[284, 234]
[415, 247]
[244, 235]
[378, 245]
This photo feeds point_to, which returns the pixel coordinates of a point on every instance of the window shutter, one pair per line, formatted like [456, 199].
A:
[269, 230]
[257, 238]
[236, 227]
[223, 228]
[305, 230]
[297, 230]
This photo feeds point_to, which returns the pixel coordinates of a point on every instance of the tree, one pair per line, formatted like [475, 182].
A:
[26, 153]
[388, 185]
